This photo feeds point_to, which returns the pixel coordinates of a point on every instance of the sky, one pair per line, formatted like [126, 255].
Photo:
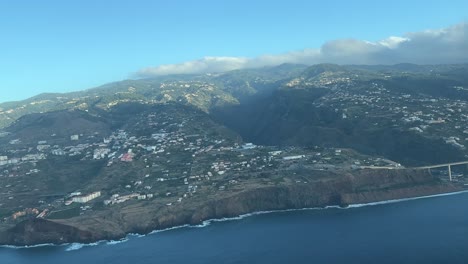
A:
[62, 46]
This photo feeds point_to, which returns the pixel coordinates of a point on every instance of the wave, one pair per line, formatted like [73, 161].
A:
[135, 235]
[78, 246]
[115, 242]
[166, 229]
[75, 246]
[25, 247]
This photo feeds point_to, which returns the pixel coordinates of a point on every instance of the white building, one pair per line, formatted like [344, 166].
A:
[33, 157]
[101, 153]
[14, 141]
[14, 161]
[248, 146]
[58, 152]
[3, 160]
[86, 198]
[42, 147]
[294, 157]
[275, 153]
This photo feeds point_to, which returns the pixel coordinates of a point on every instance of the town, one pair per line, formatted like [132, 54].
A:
[161, 157]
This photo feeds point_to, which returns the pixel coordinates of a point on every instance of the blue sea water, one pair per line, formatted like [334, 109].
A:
[431, 230]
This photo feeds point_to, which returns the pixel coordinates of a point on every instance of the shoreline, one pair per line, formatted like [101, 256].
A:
[205, 223]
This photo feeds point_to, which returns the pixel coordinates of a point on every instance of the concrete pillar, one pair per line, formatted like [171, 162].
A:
[450, 172]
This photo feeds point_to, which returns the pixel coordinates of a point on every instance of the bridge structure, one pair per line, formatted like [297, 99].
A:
[428, 167]
[448, 165]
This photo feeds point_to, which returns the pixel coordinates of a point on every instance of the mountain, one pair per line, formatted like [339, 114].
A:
[413, 118]
[373, 109]
[139, 155]
[202, 91]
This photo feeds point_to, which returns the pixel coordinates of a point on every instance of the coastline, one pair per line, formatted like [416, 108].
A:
[205, 223]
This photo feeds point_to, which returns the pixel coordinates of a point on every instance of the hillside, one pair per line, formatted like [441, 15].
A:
[139, 155]
[373, 109]
[202, 91]
[416, 117]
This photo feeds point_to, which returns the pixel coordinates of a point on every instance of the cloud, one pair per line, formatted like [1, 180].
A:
[207, 64]
[447, 45]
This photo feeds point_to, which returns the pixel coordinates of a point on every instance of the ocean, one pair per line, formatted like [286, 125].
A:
[429, 230]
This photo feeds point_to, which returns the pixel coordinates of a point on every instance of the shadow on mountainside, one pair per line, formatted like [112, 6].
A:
[288, 117]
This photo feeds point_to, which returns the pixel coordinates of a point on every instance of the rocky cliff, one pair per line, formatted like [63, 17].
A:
[355, 187]
[41, 231]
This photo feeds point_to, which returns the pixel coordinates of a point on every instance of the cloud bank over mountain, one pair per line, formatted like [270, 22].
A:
[447, 45]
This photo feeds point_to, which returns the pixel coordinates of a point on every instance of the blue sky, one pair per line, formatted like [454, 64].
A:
[59, 46]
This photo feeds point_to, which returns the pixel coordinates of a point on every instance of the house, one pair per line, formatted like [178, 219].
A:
[3, 160]
[58, 152]
[13, 161]
[127, 157]
[14, 141]
[248, 146]
[33, 157]
[275, 153]
[101, 153]
[42, 147]
[294, 157]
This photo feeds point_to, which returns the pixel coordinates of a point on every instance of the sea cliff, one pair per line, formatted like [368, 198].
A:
[353, 187]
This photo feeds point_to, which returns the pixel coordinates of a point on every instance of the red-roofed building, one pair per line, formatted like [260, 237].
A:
[127, 157]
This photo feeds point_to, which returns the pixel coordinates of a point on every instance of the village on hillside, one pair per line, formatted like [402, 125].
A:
[171, 164]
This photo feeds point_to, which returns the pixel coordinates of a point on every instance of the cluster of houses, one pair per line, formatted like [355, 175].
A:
[31, 212]
[27, 211]
[214, 161]
[418, 113]
[117, 199]
[4, 160]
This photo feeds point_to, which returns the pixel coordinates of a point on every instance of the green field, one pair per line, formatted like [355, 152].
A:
[65, 214]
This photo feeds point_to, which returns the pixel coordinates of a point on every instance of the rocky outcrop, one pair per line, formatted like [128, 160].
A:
[363, 186]
[41, 231]
[359, 187]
